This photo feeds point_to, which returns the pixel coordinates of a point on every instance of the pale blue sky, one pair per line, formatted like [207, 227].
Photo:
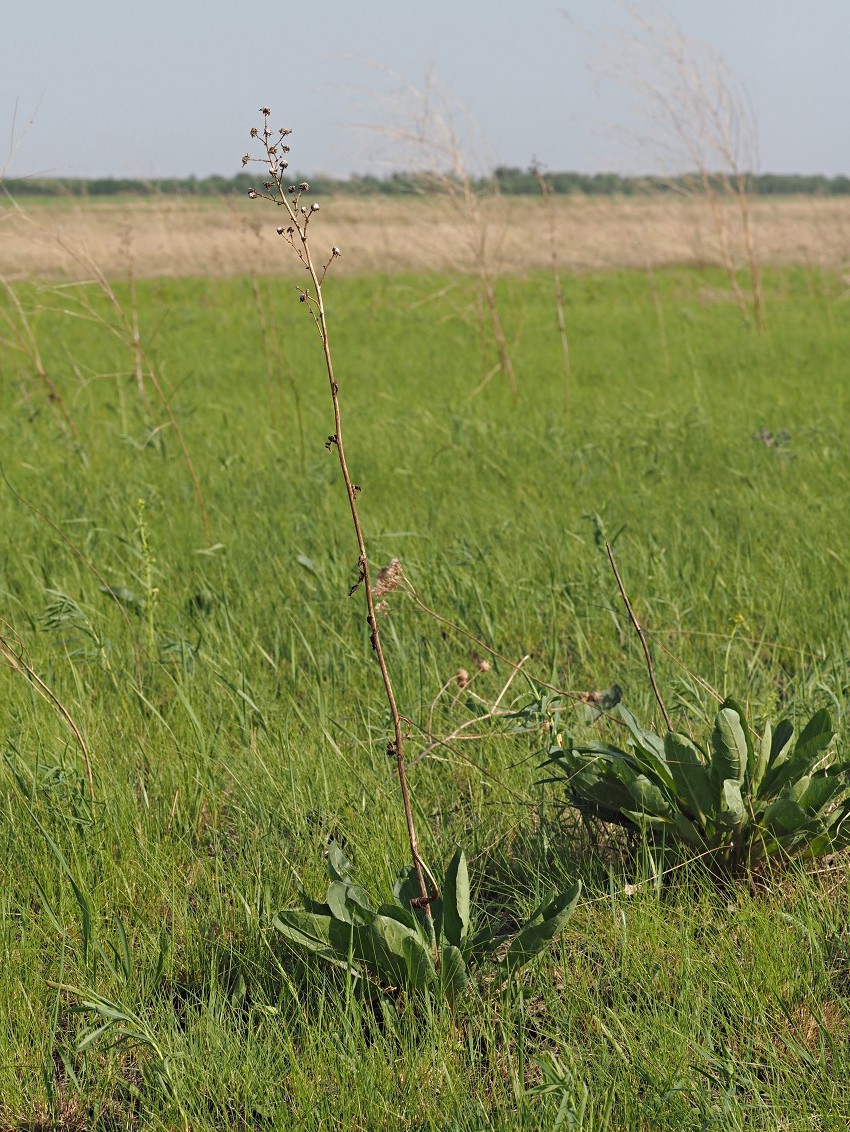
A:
[163, 88]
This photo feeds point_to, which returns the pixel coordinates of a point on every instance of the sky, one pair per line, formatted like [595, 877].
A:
[172, 87]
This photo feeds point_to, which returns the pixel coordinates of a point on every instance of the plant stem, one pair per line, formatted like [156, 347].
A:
[298, 227]
[640, 634]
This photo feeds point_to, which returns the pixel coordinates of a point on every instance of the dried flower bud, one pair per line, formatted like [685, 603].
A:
[291, 189]
[304, 186]
[284, 164]
[302, 297]
[283, 133]
[265, 110]
[246, 158]
[254, 131]
[284, 149]
[280, 230]
[389, 578]
[303, 210]
[272, 149]
[314, 207]
[335, 251]
[290, 231]
[267, 184]
[253, 194]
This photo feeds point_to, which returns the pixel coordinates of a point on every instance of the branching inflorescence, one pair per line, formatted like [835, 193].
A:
[292, 199]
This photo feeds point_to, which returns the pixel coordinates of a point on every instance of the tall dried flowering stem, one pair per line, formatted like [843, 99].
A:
[289, 197]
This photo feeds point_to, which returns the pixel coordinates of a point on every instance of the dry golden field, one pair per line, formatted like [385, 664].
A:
[223, 237]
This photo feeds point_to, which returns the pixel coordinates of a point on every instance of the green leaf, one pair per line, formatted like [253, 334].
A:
[785, 817]
[648, 749]
[816, 736]
[394, 952]
[728, 747]
[729, 702]
[456, 900]
[762, 758]
[691, 778]
[339, 866]
[307, 929]
[454, 977]
[650, 797]
[349, 902]
[541, 929]
[731, 812]
[687, 830]
[782, 736]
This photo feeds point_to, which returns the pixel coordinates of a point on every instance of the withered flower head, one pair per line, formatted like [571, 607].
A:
[265, 110]
[253, 194]
[304, 186]
[462, 677]
[389, 578]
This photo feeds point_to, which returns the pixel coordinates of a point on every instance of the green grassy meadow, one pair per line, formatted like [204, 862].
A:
[236, 723]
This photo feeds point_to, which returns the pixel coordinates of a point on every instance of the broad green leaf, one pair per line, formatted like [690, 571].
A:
[785, 817]
[650, 797]
[456, 900]
[779, 747]
[339, 866]
[731, 812]
[815, 737]
[824, 790]
[539, 932]
[728, 748]
[762, 758]
[687, 830]
[348, 902]
[646, 821]
[729, 702]
[307, 929]
[691, 779]
[403, 915]
[648, 749]
[453, 974]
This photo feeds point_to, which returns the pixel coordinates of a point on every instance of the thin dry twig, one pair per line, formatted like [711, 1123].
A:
[15, 660]
[640, 634]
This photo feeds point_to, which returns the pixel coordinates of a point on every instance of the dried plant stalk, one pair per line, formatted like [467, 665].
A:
[289, 197]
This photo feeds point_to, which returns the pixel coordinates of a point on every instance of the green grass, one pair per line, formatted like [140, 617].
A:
[259, 729]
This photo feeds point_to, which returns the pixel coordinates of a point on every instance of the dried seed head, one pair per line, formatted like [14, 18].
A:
[314, 207]
[291, 189]
[389, 578]
[304, 186]
[302, 297]
[272, 149]
[280, 230]
[253, 194]
[246, 158]
[483, 665]
[283, 133]
[335, 251]
[382, 608]
[462, 677]
[254, 132]
[284, 149]
[265, 110]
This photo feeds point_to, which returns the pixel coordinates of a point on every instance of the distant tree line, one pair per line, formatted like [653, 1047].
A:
[509, 180]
